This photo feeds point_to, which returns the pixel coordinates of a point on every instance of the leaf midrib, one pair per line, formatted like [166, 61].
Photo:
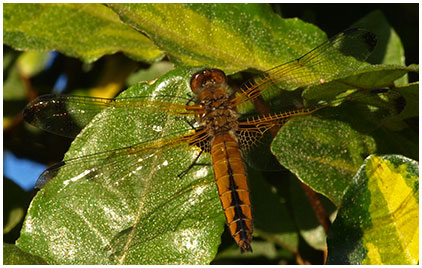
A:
[147, 186]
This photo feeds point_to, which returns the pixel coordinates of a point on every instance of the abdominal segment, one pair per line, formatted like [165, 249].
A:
[230, 176]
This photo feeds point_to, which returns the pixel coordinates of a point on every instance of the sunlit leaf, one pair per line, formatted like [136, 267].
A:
[231, 37]
[86, 31]
[322, 153]
[134, 209]
[12, 255]
[378, 222]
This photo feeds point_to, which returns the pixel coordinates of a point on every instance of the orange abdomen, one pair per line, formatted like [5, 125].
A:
[230, 176]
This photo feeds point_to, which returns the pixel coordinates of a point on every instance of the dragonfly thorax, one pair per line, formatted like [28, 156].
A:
[213, 95]
[219, 116]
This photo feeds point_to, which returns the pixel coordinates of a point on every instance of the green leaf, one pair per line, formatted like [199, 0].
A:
[14, 94]
[24, 66]
[85, 31]
[378, 222]
[231, 37]
[12, 255]
[155, 71]
[140, 212]
[366, 78]
[322, 153]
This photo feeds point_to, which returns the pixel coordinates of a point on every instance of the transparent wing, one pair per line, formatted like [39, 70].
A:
[123, 199]
[377, 103]
[67, 115]
[365, 111]
[346, 51]
[118, 164]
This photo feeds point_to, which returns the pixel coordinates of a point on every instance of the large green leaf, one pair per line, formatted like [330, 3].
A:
[378, 222]
[12, 255]
[86, 31]
[366, 78]
[231, 37]
[322, 153]
[129, 209]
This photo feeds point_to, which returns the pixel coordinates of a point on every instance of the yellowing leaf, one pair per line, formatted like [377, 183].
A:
[379, 216]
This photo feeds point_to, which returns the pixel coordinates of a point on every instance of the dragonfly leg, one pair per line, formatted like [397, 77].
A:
[189, 122]
[191, 99]
[184, 172]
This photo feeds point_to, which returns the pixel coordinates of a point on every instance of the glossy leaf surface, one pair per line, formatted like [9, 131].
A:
[323, 154]
[86, 31]
[139, 212]
[12, 255]
[326, 150]
[231, 37]
[378, 222]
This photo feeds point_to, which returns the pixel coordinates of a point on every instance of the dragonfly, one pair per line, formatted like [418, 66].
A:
[212, 123]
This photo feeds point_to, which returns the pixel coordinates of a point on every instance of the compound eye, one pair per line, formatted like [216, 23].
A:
[218, 76]
[206, 77]
[196, 81]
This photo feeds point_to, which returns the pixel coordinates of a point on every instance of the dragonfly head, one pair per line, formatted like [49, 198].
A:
[207, 78]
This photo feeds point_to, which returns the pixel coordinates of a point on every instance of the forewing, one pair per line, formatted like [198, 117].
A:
[113, 166]
[343, 53]
[66, 115]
